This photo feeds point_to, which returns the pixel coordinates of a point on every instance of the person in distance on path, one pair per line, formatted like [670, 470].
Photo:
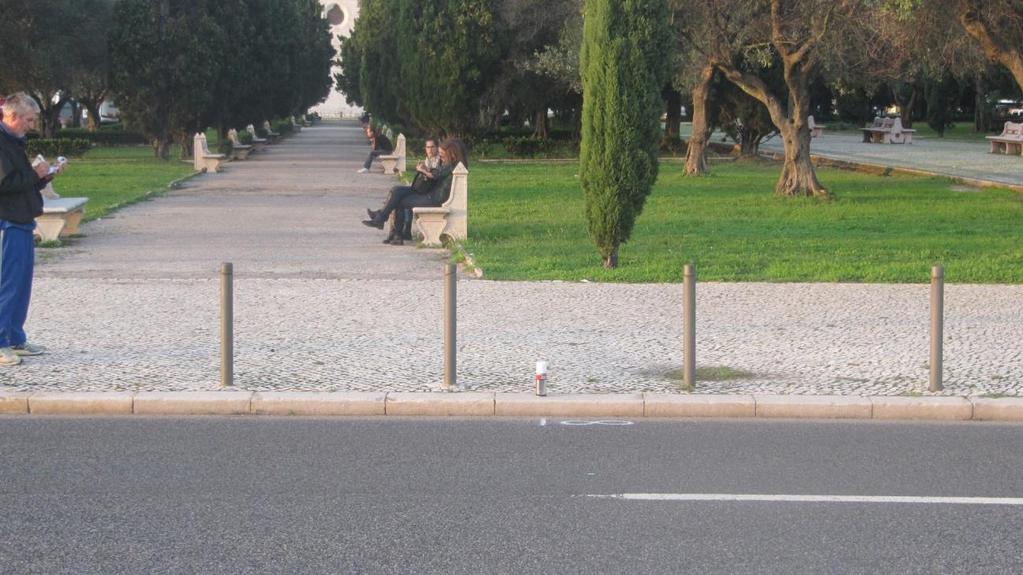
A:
[379, 145]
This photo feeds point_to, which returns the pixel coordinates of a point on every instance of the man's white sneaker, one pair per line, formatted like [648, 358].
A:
[27, 349]
[363, 170]
[8, 357]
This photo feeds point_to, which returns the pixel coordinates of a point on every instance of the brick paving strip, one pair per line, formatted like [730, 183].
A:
[324, 308]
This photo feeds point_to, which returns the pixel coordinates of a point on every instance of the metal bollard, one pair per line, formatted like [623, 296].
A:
[226, 324]
[450, 297]
[689, 328]
[937, 325]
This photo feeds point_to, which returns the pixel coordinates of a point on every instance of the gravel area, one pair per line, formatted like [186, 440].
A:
[321, 304]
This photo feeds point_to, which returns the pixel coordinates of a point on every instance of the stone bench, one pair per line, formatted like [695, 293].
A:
[816, 130]
[202, 159]
[395, 162]
[271, 136]
[60, 218]
[451, 218]
[257, 142]
[887, 131]
[1010, 141]
[239, 150]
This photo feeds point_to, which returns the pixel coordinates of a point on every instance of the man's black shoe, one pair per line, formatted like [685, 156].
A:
[373, 224]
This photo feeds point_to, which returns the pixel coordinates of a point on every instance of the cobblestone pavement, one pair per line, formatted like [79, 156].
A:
[321, 304]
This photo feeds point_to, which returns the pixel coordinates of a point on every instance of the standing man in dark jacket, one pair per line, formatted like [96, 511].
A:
[20, 203]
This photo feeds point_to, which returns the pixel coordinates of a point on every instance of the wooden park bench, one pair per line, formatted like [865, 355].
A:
[61, 216]
[816, 130]
[271, 135]
[202, 159]
[887, 131]
[238, 149]
[1010, 141]
[451, 218]
[257, 142]
[395, 162]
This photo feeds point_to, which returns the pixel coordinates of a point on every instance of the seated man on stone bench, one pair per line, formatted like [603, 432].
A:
[379, 145]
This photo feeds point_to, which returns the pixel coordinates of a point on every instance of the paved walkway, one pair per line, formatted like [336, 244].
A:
[321, 304]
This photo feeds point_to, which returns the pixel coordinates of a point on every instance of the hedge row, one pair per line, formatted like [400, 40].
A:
[103, 137]
[60, 147]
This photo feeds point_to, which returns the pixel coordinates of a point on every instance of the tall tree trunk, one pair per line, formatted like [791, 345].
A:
[611, 261]
[981, 113]
[540, 124]
[673, 114]
[906, 107]
[696, 151]
[798, 177]
[185, 145]
[749, 142]
[93, 107]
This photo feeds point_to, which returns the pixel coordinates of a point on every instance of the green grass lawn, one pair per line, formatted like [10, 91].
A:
[527, 222]
[114, 176]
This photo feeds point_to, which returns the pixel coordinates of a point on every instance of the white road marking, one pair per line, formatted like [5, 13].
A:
[583, 422]
[812, 498]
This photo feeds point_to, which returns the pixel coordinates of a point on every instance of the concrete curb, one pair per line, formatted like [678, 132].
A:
[193, 402]
[625, 405]
[81, 403]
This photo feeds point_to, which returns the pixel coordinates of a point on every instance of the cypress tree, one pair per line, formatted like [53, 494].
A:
[448, 56]
[623, 71]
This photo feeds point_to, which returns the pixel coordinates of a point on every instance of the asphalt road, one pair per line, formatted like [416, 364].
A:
[300, 495]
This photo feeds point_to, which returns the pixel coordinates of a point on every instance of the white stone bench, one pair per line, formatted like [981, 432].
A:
[238, 149]
[295, 125]
[816, 130]
[395, 162]
[61, 217]
[202, 159]
[257, 142]
[887, 131]
[271, 135]
[1010, 141]
[451, 218]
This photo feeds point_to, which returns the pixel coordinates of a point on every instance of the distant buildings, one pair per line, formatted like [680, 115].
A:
[341, 14]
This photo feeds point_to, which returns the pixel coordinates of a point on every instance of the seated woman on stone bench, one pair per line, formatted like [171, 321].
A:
[424, 171]
[433, 191]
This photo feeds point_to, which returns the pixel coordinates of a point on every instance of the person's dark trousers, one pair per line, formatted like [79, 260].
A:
[394, 197]
[403, 222]
[17, 258]
[406, 225]
[372, 156]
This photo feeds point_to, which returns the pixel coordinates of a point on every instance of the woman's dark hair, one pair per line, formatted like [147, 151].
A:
[456, 151]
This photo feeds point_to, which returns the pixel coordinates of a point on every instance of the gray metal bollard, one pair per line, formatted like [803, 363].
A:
[937, 325]
[450, 305]
[226, 324]
[689, 328]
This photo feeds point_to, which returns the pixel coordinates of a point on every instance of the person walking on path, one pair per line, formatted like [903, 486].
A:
[379, 145]
[20, 203]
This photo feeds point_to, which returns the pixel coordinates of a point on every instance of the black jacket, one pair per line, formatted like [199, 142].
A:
[20, 200]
